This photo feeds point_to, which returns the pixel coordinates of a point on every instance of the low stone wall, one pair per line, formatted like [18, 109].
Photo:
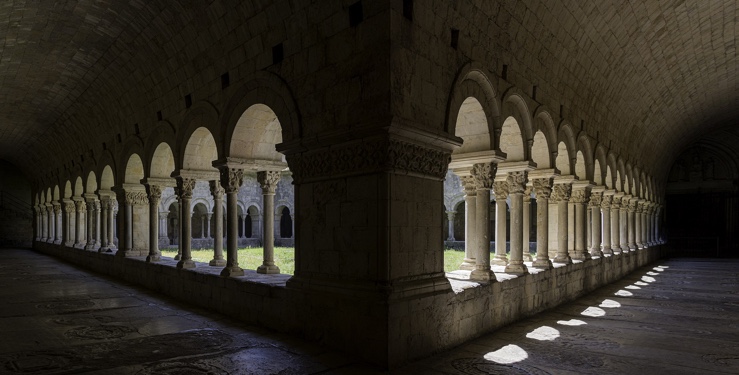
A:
[415, 327]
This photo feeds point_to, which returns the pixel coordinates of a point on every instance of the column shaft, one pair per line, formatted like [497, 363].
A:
[155, 195]
[470, 224]
[516, 185]
[543, 190]
[217, 191]
[184, 190]
[483, 174]
[606, 209]
[231, 180]
[596, 199]
[500, 188]
[268, 180]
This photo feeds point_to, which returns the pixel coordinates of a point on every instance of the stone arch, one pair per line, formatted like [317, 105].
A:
[67, 190]
[473, 127]
[55, 195]
[600, 166]
[199, 125]
[566, 149]
[91, 186]
[612, 172]
[473, 82]
[134, 171]
[628, 180]
[132, 146]
[545, 134]
[584, 165]
[107, 180]
[78, 187]
[515, 131]
[266, 89]
[635, 182]
[255, 134]
[621, 175]
[203, 201]
[107, 161]
[643, 185]
[161, 163]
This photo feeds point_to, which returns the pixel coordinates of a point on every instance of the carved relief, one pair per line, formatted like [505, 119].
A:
[469, 185]
[268, 181]
[542, 187]
[500, 189]
[579, 196]
[616, 203]
[155, 193]
[80, 206]
[517, 182]
[561, 192]
[231, 179]
[185, 187]
[606, 203]
[484, 173]
[595, 199]
[216, 190]
[135, 198]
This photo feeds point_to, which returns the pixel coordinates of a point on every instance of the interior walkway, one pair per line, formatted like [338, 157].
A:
[679, 317]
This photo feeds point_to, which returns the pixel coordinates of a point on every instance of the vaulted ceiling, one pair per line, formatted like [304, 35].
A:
[666, 69]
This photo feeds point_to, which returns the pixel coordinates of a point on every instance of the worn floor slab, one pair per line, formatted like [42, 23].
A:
[678, 317]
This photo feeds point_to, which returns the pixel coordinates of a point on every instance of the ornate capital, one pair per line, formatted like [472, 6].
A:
[517, 182]
[606, 203]
[561, 193]
[184, 187]
[500, 189]
[616, 203]
[469, 185]
[135, 198]
[579, 196]
[632, 205]
[57, 209]
[484, 173]
[542, 187]
[527, 194]
[216, 190]
[69, 206]
[595, 199]
[268, 181]
[80, 205]
[231, 179]
[155, 193]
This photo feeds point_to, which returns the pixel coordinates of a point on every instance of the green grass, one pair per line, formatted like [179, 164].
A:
[251, 258]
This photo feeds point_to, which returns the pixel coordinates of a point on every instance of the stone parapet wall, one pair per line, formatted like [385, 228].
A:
[417, 326]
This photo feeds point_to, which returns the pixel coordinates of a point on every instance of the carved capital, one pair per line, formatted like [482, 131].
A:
[69, 206]
[136, 198]
[155, 193]
[231, 179]
[484, 173]
[500, 189]
[57, 209]
[542, 187]
[632, 205]
[616, 203]
[469, 185]
[596, 199]
[579, 196]
[216, 190]
[268, 181]
[517, 182]
[561, 192]
[184, 187]
[527, 194]
[80, 206]
[606, 203]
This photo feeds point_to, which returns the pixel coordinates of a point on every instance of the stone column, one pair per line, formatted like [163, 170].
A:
[638, 224]
[483, 173]
[632, 224]
[231, 180]
[67, 222]
[202, 226]
[79, 214]
[278, 231]
[561, 195]
[243, 226]
[571, 227]
[36, 223]
[58, 225]
[606, 209]
[648, 226]
[580, 195]
[208, 218]
[155, 196]
[596, 199]
[500, 189]
[527, 225]
[42, 223]
[450, 230]
[98, 224]
[589, 226]
[268, 180]
[90, 244]
[217, 191]
[624, 224]
[50, 221]
[470, 224]
[104, 222]
[615, 223]
[184, 192]
[163, 225]
[543, 190]
[516, 187]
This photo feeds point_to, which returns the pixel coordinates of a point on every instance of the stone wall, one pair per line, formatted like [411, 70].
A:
[417, 326]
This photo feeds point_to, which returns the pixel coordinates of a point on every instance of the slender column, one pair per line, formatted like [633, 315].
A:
[638, 224]
[90, 244]
[268, 180]
[36, 223]
[178, 227]
[470, 224]
[51, 221]
[202, 226]
[78, 219]
[231, 180]
[615, 223]
[217, 191]
[543, 190]
[184, 191]
[450, 231]
[155, 196]
[648, 224]
[163, 225]
[589, 226]
[624, 221]
[516, 187]
[571, 227]
[67, 221]
[631, 220]
[98, 223]
[243, 227]
[58, 226]
[500, 188]
[606, 209]
[104, 222]
[561, 195]
[656, 224]
[596, 199]
[278, 232]
[527, 224]
[579, 199]
[46, 223]
[483, 174]
[208, 219]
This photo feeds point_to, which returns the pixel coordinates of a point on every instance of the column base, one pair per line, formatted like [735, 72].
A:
[607, 251]
[217, 262]
[186, 263]
[232, 271]
[468, 264]
[482, 275]
[153, 258]
[516, 269]
[581, 256]
[562, 259]
[499, 260]
[129, 253]
[69, 244]
[543, 264]
[90, 246]
[624, 248]
[57, 242]
[178, 256]
[596, 253]
[79, 246]
[527, 257]
[104, 249]
[268, 269]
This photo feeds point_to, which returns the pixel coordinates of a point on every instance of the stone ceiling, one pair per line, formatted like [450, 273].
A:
[667, 70]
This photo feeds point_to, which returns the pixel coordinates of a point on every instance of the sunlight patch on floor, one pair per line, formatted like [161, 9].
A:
[543, 333]
[632, 287]
[624, 293]
[507, 355]
[593, 311]
[609, 303]
[571, 322]
[640, 283]
[648, 279]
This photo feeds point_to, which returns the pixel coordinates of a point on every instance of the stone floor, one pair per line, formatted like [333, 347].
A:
[679, 317]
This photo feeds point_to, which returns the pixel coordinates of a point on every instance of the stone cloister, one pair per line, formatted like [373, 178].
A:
[537, 137]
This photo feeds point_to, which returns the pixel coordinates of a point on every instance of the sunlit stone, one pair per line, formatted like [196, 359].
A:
[640, 283]
[658, 269]
[571, 322]
[543, 333]
[507, 354]
[624, 293]
[648, 279]
[632, 287]
[593, 311]
[652, 273]
[609, 303]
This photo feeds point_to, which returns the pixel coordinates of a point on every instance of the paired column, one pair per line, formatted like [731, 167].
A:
[483, 174]
[596, 199]
[543, 190]
[47, 210]
[231, 180]
[91, 209]
[243, 226]
[624, 224]
[470, 223]
[500, 189]
[58, 229]
[155, 196]
[631, 226]
[67, 222]
[184, 192]
[450, 218]
[268, 181]
[605, 207]
[80, 213]
[527, 224]
[516, 187]
[638, 223]
[580, 195]
[217, 191]
[616, 223]
[104, 232]
[561, 196]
